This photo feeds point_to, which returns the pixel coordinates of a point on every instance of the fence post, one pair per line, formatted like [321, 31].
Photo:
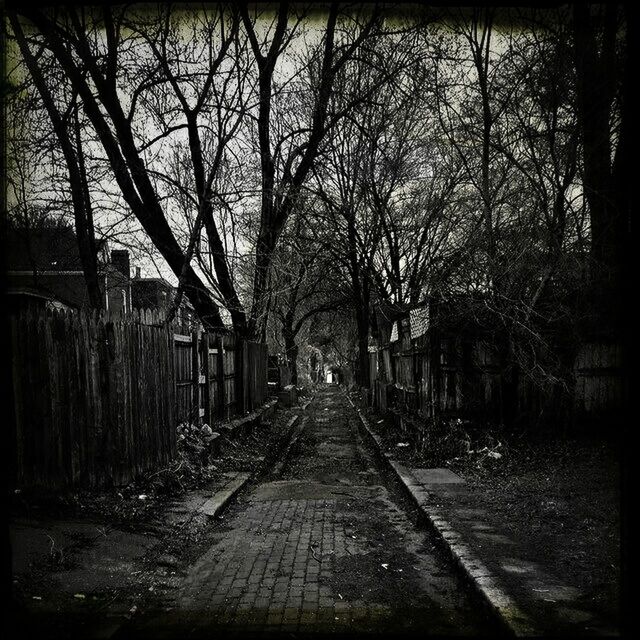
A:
[205, 369]
[246, 379]
[195, 376]
[265, 373]
[171, 394]
[221, 390]
[239, 356]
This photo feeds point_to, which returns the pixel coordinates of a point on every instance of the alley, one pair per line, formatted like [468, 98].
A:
[316, 319]
[324, 544]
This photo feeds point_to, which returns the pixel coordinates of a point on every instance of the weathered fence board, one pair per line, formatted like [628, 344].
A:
[600, 385]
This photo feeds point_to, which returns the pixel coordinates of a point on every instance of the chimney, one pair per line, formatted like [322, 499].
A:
[137, 273]
[120, 260]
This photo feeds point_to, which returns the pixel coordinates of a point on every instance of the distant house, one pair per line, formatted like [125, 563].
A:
[436, 358]
[150, 293]
[44, 269]
[157, 293]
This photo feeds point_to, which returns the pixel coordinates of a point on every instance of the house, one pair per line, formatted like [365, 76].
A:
[44, 269]
[158, 294]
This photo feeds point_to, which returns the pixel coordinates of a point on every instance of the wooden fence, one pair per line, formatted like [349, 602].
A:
[601, 388]
[218, 376]
[97, 398]
[449, 375]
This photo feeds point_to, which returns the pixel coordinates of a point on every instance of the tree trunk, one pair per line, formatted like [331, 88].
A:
[363, 322]
[363, 379]
[481, 59]
[595, 91]
[85, 230]
[83, 219]
[291, 349]
[260, 307]
[225, 281]
[361, 302]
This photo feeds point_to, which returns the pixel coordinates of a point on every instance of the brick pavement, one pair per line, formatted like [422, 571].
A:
[327, 546]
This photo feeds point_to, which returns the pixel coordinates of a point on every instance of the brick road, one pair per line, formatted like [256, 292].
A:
[330, 545]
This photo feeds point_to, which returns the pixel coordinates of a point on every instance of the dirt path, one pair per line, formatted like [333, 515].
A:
[328, 544]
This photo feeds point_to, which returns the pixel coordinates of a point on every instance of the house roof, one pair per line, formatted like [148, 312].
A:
[44, 249]
[458, 312]
[161, 281]
[387, 312]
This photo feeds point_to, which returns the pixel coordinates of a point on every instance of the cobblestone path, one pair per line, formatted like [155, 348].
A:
[328, 546]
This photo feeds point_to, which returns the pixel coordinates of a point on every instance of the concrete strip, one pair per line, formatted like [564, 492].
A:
[291, 422]
[214, 505]
[277, 468]
[486, 585]
[219, 501]
[437, 476]
[239, 423]
[479, 575]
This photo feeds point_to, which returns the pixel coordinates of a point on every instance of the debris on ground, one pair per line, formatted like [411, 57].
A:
[194, 467]
[559, 497]
[167, 560]
[81, 520]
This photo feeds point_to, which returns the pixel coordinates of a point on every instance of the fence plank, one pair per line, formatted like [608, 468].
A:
[205, 391]
[222, 396]
[195, 378]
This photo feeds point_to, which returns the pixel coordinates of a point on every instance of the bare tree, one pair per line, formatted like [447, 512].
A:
[209, 90]
[349, 233]
[410, 184]
[303, 285]
[89, 49]
[604, 100]
[386, 185]
[287, 159]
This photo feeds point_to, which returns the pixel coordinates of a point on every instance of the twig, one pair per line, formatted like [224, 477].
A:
[106, 604]
[151, 475]
[53, 549]
[313, 553]
[102, 532]
[342, 493]
[166, 469]
[178, 467]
